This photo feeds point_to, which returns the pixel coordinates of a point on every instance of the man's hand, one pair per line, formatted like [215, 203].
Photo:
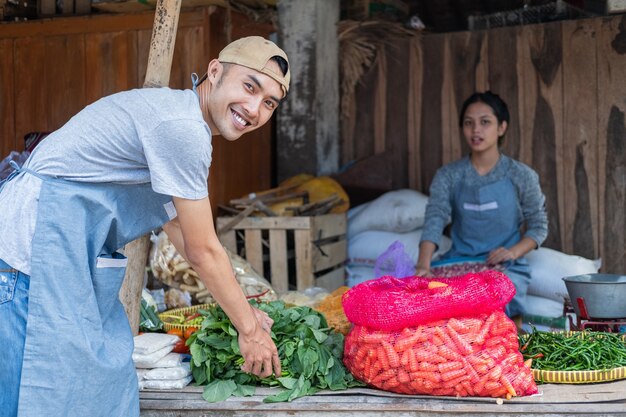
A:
[259, 353]
[264, 320]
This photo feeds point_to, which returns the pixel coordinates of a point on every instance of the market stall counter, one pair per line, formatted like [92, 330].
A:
[554, 400]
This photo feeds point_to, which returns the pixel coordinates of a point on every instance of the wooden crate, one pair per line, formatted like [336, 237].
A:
[293, 253]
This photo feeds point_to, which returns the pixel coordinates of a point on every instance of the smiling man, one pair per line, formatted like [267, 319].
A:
[123, 166]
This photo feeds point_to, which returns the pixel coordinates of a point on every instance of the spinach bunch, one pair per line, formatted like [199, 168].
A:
[310, 354]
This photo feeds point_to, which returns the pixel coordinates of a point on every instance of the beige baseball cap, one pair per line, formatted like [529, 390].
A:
[254, 52]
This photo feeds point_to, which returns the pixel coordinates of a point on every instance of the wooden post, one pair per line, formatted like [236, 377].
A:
[157, 75]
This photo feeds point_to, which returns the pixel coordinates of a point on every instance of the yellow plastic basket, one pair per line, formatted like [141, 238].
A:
[171, 317]
[579, 377]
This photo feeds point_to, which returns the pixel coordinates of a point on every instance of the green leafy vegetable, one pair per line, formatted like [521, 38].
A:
[310, 352]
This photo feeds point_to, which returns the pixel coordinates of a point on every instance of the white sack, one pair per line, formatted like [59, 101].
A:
[174, 372]
[147, 343]
[544, 307]
[166, 383]
[395, 211]
[549, 267]
[356, 274]
[365, 247]
[167, 360]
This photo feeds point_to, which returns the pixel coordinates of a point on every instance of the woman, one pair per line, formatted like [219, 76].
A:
[489, 199]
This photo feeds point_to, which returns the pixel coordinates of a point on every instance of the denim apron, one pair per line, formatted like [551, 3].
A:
[78, 343]
[487, 217]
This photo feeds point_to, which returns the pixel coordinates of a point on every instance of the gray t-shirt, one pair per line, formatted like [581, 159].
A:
[153, 135]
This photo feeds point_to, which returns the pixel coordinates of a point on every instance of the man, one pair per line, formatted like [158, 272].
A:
[127, 164]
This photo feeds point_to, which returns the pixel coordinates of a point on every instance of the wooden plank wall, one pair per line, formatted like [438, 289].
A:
[51, 68]
[564, 83]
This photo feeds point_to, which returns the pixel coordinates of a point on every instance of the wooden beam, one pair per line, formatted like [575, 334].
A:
[157, 75]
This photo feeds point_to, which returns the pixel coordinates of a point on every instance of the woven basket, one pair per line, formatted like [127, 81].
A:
[579, 377]
[176, 314]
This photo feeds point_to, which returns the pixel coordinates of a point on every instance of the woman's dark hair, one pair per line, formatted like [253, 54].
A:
[499, 107]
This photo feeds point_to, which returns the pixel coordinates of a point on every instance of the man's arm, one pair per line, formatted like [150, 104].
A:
[192, 233]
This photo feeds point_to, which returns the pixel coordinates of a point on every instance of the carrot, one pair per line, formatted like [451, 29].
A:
[455, 381]
[419, 387]
[373, 338]
[404, 359]
[501, 326]
[374, 370]
[437, 340]
[484, 331]
[413, 364]
[445, 337]
[455, 373]
[430, 376]
[360, 355]
[367, 367]
[427, 366]
[474, 377]
[436, 284]
[472, 325]
[383, 376]
[392, 355]
[462, 346]
[449, 366]
[443, 391]
[390, 383]
[460, 391]
[468, 387]
[425, 356]
[382, 358]
[406, 342]
[491, 386]
[458, 325]
[448, 353]
[480, 386]
[495, 373]
[428, 385]
[509, 387]
[403, 376]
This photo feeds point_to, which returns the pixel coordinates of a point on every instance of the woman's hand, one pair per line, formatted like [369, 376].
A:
[500, 255]
[422, 271]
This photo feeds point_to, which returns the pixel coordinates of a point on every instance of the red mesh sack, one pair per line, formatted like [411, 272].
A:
[389, 303]
[432, 349]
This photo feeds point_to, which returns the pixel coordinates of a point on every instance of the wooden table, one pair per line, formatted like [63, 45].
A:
[555, 400]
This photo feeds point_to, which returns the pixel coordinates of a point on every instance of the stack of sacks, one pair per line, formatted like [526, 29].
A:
[373, 227]
[547, 291]
[157, 366]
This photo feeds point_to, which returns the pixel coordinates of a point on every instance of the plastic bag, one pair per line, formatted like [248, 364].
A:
[149, 320]
[169, 267]
[395, 262]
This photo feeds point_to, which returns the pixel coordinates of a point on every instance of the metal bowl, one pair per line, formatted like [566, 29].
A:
[603, 296]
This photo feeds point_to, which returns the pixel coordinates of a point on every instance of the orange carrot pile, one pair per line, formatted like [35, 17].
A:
[470, 356]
